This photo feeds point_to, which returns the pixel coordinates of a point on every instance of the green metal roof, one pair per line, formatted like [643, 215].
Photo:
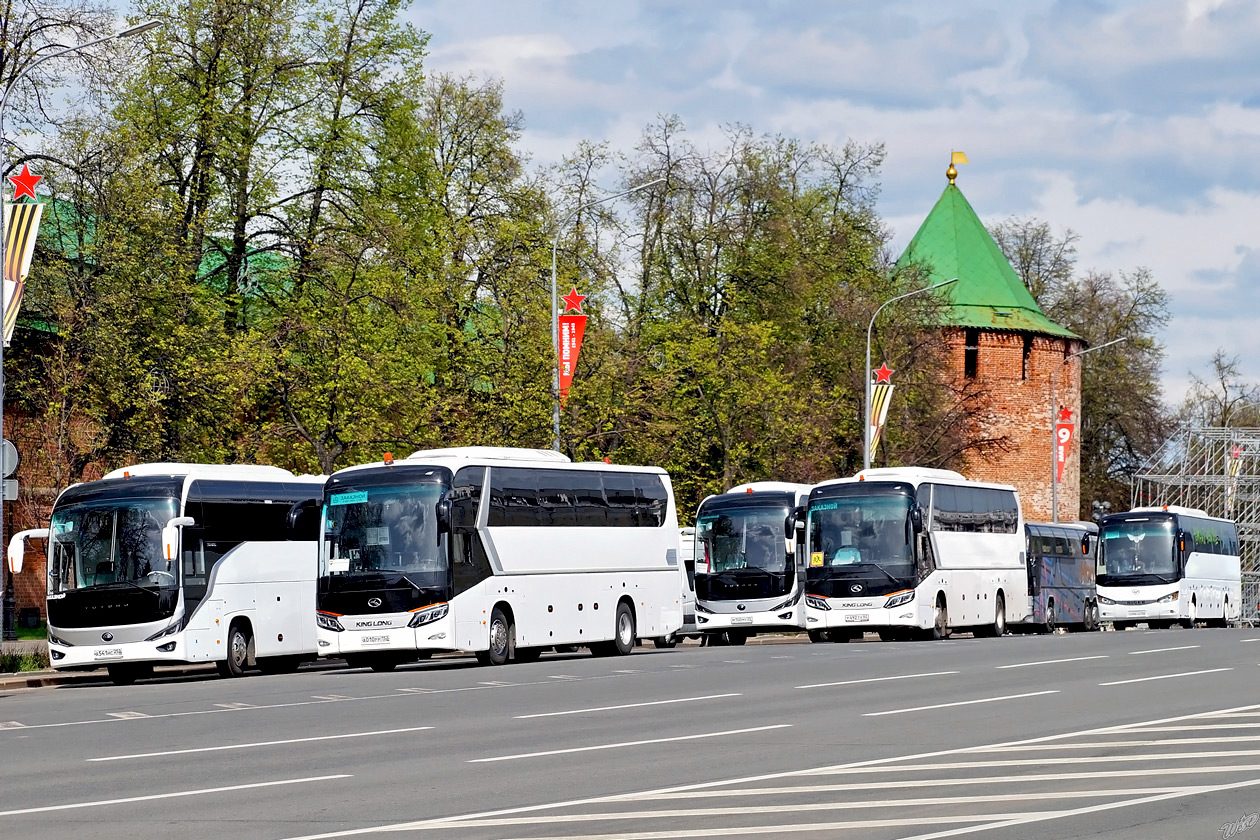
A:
[952, 242]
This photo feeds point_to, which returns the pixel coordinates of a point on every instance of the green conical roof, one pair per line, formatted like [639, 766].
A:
[952, 242]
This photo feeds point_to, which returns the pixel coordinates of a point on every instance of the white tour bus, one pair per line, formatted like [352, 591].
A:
[748, 572]
[503, 552]
[913, 552]
[161, 564]
[1166, 565]
[687, 569]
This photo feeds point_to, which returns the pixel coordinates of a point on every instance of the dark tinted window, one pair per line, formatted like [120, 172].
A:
[974, 509]
[576, 498]
[469, 563]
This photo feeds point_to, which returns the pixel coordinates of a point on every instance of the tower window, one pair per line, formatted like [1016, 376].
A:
[1028, 343]
[971, 352]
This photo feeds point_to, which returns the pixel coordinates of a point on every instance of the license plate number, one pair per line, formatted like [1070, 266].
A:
[376, 640]
[857, 617]
[1138, 613]
[107, 653]
[741, 619]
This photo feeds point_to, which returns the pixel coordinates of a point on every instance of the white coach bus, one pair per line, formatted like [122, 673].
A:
[161, 564]
[748, 572]
[912, 552]
[1167, 565]
[503, 552]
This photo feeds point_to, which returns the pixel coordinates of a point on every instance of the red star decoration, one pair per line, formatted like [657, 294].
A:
[573, 300]
[1065, 415]
[24, 184]
[883, 374]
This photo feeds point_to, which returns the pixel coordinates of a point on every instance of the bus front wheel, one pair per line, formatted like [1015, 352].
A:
[502, 640]
[240, 650]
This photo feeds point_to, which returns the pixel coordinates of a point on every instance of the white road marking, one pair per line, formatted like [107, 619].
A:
[127, 715]
[628, 671]
[960, 703]
[262, 744]
[1249, 640]
[783, 657]
[1051, 661]
[1108, 806]
[1161, 650]
[494, 683]
[236, 705]
[874, 765]
[676, 813]
[1023, 762]
[1167, 676]
[734, 661]
[416, 690]
[879, 679]
[73, 805]
[971, 782]
[11, 724]
[631, 743]
[331, 697]
[1232, 739]
[625, 706]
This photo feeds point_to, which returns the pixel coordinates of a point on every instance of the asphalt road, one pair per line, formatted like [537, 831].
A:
[1120, 735]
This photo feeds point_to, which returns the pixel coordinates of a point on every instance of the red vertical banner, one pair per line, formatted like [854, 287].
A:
[572, 328]
[1062, 440]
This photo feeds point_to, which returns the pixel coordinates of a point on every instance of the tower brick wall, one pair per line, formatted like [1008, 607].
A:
[1014, 370]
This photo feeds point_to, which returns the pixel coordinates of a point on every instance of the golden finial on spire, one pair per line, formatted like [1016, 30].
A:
[954, 157]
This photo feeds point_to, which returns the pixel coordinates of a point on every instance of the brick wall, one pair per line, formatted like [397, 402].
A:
[1017, 382]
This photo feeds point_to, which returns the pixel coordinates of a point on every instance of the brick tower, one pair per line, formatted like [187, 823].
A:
[1002, 345]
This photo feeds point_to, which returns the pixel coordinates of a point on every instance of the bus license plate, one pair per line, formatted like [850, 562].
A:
[376, 640]
[107, 653]
[741, 619]
[857, 617]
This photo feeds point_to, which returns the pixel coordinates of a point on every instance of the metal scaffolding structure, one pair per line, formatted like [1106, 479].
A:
[1216, 470]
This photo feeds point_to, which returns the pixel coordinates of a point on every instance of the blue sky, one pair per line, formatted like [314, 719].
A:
[1135, 124]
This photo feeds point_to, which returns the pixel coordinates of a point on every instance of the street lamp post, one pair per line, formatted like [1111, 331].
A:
[555, 306]
[866, 396]
[1054, 443]
[9, 632]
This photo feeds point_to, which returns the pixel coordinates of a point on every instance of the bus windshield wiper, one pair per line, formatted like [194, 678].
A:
[117, 583]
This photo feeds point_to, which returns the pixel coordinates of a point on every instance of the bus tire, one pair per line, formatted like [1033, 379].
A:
[1091, 617]
[998, 627]
[502, 640]
[128, 673]
[666, 642]
[240, 650]
[738, 637]
[1051, 619]
[1189, 622]
[623, 630]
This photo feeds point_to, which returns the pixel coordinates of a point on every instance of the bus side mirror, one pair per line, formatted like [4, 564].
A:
[170, 538]
[1085, 544]
[17, 546]
[444, 516]
[304, 520]
[1181, 541]
[795, 522]
[916, 519]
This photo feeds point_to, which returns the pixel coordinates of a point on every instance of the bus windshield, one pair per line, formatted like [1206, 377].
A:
[851, 535]
[1138, 551]
[107, 543]
[388, 531]
[741, 553]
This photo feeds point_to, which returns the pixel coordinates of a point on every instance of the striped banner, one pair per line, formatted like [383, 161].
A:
[881, 396]
[21, 226]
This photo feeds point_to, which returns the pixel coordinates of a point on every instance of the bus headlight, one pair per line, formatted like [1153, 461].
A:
[1168, 599]
[329, 621]
[702, 608]
[816, 602]
[173, 628]
[1103, 599]
[428, 615]
[789, 602]
[57, 640]
[899, 599]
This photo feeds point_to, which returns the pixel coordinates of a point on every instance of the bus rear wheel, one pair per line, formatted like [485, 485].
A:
[1091, 617]
[1052, 623]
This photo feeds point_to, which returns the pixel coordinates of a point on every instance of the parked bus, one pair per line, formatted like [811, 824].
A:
[1061, 576]
[687, 568]
[748, 574]
[913, 552]
[1166, 565]
[162, 564]
[502, 552]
